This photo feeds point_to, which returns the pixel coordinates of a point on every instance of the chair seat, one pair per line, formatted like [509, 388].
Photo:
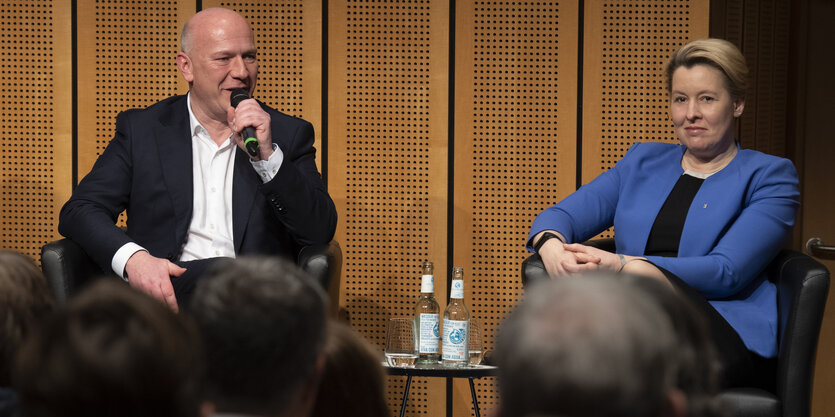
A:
[751, 402]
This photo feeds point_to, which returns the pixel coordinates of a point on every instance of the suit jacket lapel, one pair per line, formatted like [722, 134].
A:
[244, 189]
[174, 143]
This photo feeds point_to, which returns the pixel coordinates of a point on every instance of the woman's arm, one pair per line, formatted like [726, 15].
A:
[750, 242]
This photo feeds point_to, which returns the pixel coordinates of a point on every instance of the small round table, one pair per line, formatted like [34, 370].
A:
[439, 370]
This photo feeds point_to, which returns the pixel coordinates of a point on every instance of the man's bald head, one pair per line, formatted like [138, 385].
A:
[206, 20]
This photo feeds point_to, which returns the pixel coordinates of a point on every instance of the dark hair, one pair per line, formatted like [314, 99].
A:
[262, 321]
[698, 364]
[111, 351]
[353, 381]
[25, 300]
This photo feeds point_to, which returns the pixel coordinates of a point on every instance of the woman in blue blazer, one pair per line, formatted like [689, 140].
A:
[704, 215]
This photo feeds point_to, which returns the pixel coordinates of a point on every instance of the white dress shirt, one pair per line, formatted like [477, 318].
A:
[210, 231]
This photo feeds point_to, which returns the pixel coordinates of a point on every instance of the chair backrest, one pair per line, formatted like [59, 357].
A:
[802, 289]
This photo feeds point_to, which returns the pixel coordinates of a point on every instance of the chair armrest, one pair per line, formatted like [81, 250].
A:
[802, 289]
[324, 263]
[67, 268]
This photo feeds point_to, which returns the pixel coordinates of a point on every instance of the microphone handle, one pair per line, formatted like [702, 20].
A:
[250, 142]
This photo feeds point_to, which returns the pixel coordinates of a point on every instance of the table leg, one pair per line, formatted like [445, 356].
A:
[406, 396]
[475, 398]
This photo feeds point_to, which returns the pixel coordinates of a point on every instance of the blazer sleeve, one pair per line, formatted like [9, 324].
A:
[89, 216]
[588, 211]
[297, 193]
[751, 241]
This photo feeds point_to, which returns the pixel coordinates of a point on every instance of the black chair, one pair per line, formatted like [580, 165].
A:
[68, 268]
[802, 288]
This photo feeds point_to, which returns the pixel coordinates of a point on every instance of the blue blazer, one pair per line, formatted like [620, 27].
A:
[738, 221]
[147, 170]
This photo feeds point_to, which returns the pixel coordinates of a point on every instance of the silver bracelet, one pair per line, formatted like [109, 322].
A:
[622, 262]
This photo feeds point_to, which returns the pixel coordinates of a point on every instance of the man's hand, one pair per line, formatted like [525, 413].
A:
[250, 113]
[153, 276]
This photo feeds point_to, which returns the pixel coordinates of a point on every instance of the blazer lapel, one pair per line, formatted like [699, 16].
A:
[244, 189]
[174, 143]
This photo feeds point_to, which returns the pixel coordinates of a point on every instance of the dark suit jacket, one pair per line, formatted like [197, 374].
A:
[147, 170]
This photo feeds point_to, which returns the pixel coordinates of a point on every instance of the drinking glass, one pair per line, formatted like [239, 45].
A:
[400, 343]
[476, 346]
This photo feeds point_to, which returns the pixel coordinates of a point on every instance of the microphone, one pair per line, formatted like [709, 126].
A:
[250, 142]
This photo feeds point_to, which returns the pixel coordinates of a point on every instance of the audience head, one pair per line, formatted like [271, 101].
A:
[353, 381]
[111, 351]
[262, 321]
[590, 345]
[25, 300]
[717, 53]
[697, 361]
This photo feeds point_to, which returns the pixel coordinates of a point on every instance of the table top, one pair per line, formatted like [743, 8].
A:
[473, 371]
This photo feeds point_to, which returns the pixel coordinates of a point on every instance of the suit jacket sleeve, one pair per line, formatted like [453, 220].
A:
[297, 193]
[89, 216]
[586, 212]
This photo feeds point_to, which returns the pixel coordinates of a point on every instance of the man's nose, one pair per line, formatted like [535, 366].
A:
[239, 69]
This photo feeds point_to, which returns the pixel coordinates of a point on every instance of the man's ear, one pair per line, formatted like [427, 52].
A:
[676, 404]
[184, 64]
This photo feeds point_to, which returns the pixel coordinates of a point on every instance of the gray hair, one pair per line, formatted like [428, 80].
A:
[586, 346]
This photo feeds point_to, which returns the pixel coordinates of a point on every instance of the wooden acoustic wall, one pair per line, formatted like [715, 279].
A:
[515, 147]
[35, 130]
[625, 100]
[387, 149]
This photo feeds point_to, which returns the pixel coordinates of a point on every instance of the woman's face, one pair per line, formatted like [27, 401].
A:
[703, 110]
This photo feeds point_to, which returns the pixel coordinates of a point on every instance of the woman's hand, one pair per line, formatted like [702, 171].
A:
[559, 261]
[605, 259]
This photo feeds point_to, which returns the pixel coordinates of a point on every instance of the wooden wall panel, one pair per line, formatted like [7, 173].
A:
[515, 147]
[625, 100]
[387, 146]
[35, 130]
[126, 59]
[288, 35]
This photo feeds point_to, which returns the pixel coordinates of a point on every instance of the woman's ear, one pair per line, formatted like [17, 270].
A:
[739, 106]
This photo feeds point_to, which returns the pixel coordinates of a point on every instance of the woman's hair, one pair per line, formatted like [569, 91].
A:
[25, 300]
[353, 382]
[717, 53]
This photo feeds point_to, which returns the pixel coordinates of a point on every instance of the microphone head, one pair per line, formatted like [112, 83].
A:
[238, 95]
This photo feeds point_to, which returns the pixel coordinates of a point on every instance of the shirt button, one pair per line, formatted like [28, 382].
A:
[211, 226]
[213, 189]
[217, 252]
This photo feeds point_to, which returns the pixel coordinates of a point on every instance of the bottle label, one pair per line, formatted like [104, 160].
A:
[457, 290]
[456, 334]
[429, 333]
[427, 284]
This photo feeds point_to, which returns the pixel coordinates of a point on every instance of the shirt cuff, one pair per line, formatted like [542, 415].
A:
[120, 259]
[266, 170]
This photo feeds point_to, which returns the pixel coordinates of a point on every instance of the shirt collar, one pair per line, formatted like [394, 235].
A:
[194, 125]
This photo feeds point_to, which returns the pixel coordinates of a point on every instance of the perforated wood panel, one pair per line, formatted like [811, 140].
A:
[515, 144]
[288, 35]
[626, 44]
[126, 59]
[35, 128]
[388, 81]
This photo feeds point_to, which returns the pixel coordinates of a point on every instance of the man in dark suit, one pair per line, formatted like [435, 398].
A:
[191, 191]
